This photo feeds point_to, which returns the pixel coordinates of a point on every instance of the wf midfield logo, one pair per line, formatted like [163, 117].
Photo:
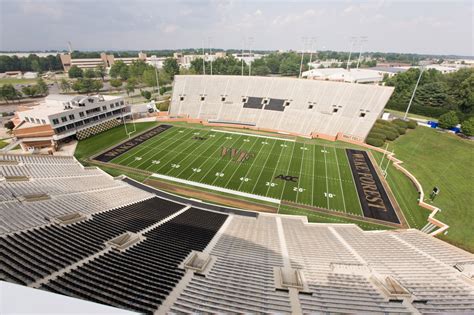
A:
[236, 154]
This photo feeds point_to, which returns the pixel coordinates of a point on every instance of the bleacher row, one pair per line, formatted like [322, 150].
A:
[342, 268]
[286, 104]
[69, 188]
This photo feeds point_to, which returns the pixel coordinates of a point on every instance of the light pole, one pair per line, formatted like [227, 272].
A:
[242, 56]
[352, 39]
[362, 39]
[156, 75]
[250, 55]
[422, 68]
[303, 39]
[313, 42]
[210, 52]
[203, 60]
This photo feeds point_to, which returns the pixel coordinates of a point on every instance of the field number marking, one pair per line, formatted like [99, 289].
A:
[329, 195]
[212, 136]
[244, 179]
[298, 189]
[283, 145]
[228, 138]
[155, 162]
[304, 148]
[196, 133]
[175, 165]
[270, 184]
[324, 151]
[219, 174]
[246, 140]
[196, 170]
[138, 158]
[264, 142]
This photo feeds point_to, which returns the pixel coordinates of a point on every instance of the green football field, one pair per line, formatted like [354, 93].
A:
[324, 178]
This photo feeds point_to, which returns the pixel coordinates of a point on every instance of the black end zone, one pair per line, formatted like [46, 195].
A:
[373, 197]
[130, 144]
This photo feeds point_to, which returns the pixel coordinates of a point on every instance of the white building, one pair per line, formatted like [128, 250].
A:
[64, 116]
[343, 75]
[156, 61]
[324, 63]
[247, 57]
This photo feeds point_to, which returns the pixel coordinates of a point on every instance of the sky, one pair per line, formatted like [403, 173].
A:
[428, 27]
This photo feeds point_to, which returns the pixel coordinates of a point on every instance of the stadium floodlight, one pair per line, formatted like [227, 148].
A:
[422, 68]
[210, 52]
[242, 56]
[203, 60]
[156, 75]
[352, 40]
[250, 42]
[362, 40]
[304, 40]
[313, 46]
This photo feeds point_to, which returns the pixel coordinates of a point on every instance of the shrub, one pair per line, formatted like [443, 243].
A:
[448, 120]
[9, 125]
[467, 127]
[401, 123]
[374, 141]
[392, 135]
[412, 124]
[401, 130]
[377, 135]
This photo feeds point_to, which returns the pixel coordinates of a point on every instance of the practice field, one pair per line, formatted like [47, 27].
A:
[275, 168]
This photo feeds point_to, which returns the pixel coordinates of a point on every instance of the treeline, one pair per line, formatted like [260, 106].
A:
[437, 93]
[283, 64]
[30, 63]
[9, 93]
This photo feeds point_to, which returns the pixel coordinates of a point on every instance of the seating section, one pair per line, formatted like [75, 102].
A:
[241, 280]
[140, 278]
[32, 255]
[313, 106]
[70, 187]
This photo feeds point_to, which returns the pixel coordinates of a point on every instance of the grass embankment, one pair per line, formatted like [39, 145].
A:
[444, 160]
[17, 81]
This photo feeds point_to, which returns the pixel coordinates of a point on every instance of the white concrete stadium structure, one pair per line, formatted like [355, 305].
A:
[298, 106]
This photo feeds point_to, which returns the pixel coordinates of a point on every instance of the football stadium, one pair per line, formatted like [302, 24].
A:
[197, 215]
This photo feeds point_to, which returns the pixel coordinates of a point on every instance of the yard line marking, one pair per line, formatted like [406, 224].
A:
[238, 167]
[210, 169]
[276, 167]
[254, 135]
[353, 184]
[190, 141]
[340, 181]
[153, 148]
[327, 184]
[140, 148]
[266, 161]
[287, 170]
[230, 160]
[301, 169]
[251, 166]
[156, 151]
[216, 140]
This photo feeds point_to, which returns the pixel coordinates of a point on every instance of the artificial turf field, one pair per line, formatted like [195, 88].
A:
[324, 176]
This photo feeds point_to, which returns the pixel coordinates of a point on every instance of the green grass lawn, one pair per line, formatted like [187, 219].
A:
[93, 145]
[17, 81]
[321, 174]
[3, 144]
[447, 161]
[410, 115]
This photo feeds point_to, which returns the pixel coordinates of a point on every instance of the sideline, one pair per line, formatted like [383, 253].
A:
[253, 135]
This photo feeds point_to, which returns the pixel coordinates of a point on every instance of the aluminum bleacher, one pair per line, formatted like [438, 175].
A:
[124, 244]
[292, 105]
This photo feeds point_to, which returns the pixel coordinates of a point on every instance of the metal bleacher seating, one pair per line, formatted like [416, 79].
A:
[120, 243]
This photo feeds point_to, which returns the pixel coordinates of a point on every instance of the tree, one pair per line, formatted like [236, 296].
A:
[467, 127]
[149, 77]
[9, 125]
[448, 120]
[171, 67]
[75, 72]
[77, 86]
[29, 90]
[116, 83]
[131, 85]
[146, 94]
[119, 69]
[101, 72]
[64, 85]
[89, 73]
[42, 87]
[9, 93]
[97, 85]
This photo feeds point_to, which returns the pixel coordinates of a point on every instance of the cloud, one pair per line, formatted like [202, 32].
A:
[169, 28]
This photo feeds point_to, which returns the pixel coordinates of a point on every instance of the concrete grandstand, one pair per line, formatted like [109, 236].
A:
[302, 107]
[82, 233]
